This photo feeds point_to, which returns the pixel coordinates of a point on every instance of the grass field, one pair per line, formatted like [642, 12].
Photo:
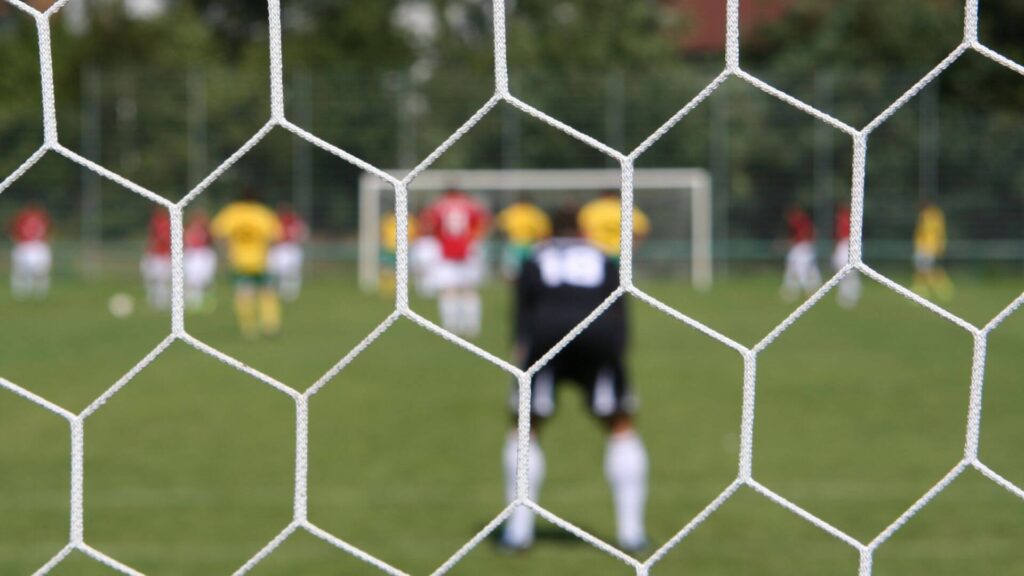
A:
[189, 468]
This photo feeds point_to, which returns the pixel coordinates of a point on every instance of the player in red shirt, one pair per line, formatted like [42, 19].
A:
[801, 275]
[458, 222]
[156, 262]
[31, 257]
[849, 286]
[200, 261]
[286, 257]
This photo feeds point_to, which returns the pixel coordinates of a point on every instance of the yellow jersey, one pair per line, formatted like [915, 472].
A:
[599, 222]
[249, 228]
[930, 234]
[524, 223]
[389, 232]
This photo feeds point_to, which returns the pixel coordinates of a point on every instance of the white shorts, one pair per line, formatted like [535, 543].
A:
[424, 257]
[33, 257]
[156, 268]
[285, 259]
[200, 266]
[424, 253]
[454, 274]
[801, 256]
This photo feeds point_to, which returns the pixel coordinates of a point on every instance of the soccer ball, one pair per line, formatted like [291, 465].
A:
[121, 305]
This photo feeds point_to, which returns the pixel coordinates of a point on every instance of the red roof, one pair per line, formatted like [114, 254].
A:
[705, 20]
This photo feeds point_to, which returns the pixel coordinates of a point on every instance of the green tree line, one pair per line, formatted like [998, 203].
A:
[164, 101]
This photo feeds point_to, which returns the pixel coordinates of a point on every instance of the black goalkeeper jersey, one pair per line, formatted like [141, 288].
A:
[563, 282]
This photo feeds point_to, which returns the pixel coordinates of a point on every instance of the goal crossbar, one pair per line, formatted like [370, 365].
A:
[694, 181]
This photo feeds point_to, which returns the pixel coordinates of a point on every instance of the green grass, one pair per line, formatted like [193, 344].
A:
[189, 468]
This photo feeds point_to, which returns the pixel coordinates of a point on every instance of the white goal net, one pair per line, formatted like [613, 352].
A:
[628, 180]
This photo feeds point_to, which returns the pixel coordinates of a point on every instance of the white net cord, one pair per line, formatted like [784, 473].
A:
[749, 355]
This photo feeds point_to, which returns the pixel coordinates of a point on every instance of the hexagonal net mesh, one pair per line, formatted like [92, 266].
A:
[732, 68]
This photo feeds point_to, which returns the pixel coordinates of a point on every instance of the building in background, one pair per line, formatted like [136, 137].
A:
[705, 21]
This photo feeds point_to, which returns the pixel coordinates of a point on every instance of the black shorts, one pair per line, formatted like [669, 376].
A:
[599, 370]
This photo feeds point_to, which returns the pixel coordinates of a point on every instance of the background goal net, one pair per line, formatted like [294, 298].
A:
[678, 200]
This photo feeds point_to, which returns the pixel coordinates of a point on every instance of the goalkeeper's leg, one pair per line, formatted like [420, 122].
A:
[625, 460]
[519, 528]
[625, 468]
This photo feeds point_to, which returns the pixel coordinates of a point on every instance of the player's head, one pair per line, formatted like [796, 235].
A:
[610, 193]
[284, 208]
[563, 221]
[453, 191]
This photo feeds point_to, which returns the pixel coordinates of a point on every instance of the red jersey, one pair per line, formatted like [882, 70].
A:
[292, 226]
[30, 225]
[801, 229]
[842, 224]
[457, 221]
[159, 234]
[197, 234]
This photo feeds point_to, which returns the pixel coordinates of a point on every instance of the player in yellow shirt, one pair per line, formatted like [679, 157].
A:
[929, 247]
[248, 228]
[523, 224]
[389, 249]
[599, 222]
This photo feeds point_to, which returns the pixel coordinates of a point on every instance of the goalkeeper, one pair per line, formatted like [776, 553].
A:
[248, 228]
[565, 280]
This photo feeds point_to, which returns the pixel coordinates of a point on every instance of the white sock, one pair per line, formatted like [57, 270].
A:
[43, 285]
[163, 295]
[448, 307]
[291, 286]
[471, 313]
[519, 527]
[21, 285]
[151, 294]
[625, 467]
[193, 296]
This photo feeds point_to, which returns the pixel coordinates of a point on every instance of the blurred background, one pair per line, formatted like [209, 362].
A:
[189, 468]
[162, 91]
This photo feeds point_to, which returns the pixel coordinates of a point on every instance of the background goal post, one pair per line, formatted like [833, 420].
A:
[693, 183]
